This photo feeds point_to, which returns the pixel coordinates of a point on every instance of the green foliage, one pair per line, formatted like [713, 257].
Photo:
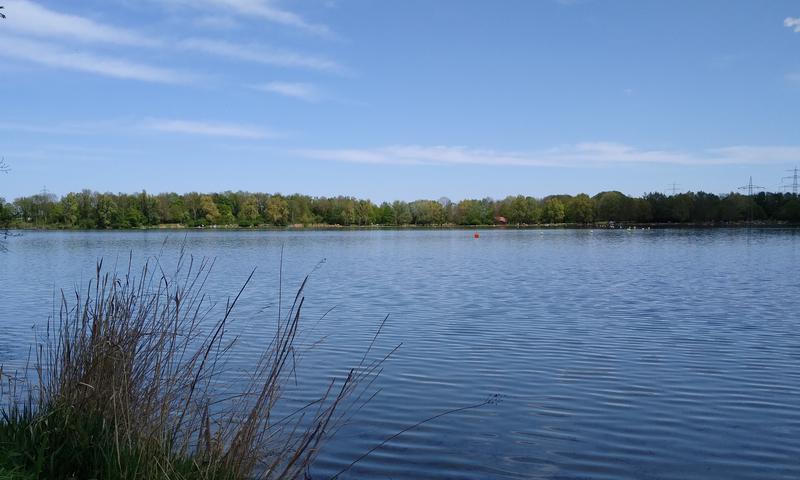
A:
[474, 212]
[426, 212]
[208, 209]
[277, 210]
[248, 212]
[401, 213]
[611, 206]
[580, 209]
[521, 210]
[63, 443]
[89, 210]
[6, 212]
[554, 211]
[108, 215]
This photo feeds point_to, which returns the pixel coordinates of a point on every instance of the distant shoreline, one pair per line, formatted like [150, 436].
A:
[232, 210]
[324, 227]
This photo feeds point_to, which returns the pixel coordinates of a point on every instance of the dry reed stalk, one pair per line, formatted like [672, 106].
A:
[142, 353]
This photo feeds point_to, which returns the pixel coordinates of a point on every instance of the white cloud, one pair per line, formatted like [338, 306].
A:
[71, 128]
[262, 9]
[261, 54]
[302, 91]
[265, 10]
[33, 22]
[33, 19]
[793, 23]
[755, 155]
[209, 129]
[216, 22]
[55, 56]
[578, 155]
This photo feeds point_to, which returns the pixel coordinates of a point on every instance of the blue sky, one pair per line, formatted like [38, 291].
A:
[398, 99]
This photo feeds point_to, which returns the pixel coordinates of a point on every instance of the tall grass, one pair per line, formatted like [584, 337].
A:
[130, 381]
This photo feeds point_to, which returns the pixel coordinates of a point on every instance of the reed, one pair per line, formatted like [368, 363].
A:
[128, 382]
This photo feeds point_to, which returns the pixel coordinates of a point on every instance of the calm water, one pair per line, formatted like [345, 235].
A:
[667, 354]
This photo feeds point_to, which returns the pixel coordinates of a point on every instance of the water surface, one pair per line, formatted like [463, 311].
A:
[669, 354]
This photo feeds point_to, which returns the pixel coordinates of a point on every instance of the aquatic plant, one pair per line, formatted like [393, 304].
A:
[129, 381]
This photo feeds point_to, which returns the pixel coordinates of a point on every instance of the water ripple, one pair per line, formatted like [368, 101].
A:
[647, 355]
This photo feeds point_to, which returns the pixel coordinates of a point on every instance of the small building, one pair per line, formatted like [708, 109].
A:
[501, 220]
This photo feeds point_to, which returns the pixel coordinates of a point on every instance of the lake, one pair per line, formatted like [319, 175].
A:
[645, 354]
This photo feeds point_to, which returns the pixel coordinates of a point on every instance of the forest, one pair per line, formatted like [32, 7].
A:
[94, 210]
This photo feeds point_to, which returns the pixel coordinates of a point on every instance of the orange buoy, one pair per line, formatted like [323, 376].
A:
[476, 235]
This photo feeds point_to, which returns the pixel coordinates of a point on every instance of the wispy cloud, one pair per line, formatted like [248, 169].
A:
[209, 129]
[73, 128]
[136, 126]
[33, 19]
[264, 9]
[54, 56]
[60, 152]
[301, 91]
[262, 54]
[260, 9]
[578, 155]
[793, 23]
[79, 38]
[216, 22]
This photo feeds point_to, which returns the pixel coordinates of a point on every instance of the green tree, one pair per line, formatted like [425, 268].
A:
[6, 213]
[277, 210]
[640, 210]
[209, 209]
[611, 206]
[790, 210]
[300, 209]
[148, 206]
[385, 215]
[705, 207]
[553, 211]
[474, 212]
[681, 207]
[402, 213]
[134, 218]
[248, 211]
[70, 210]
[193, 206]
[520, 209]
[225, 215]
[580, 209]
[426, 212]
[735, 208]
[108, 215]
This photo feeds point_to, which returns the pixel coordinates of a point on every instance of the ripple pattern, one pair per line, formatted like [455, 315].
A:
[669, 354]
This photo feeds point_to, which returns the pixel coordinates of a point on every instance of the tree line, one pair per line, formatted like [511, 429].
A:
[95, 210]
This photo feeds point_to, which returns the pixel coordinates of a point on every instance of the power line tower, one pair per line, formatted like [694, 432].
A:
[750, 189]
[673, 187]
[793, 178]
